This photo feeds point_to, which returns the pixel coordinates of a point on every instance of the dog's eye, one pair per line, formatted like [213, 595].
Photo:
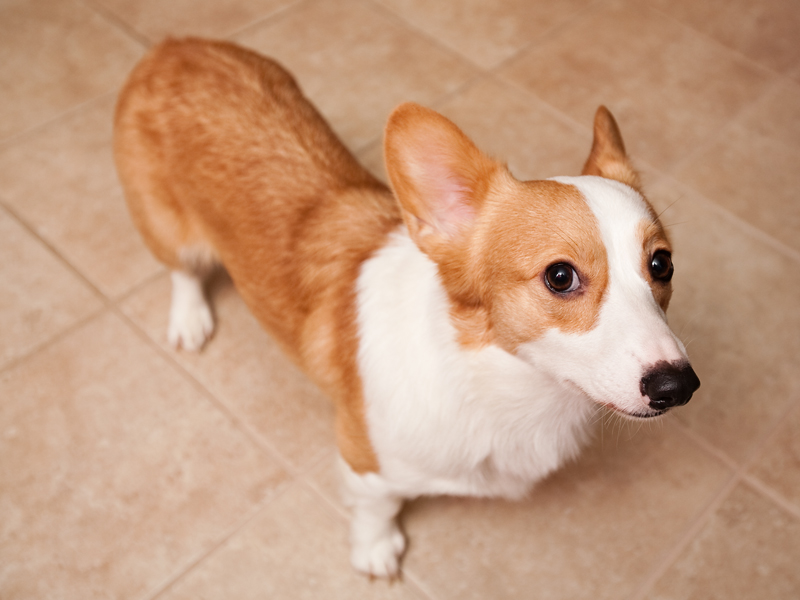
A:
[661, 267]
[561, 278]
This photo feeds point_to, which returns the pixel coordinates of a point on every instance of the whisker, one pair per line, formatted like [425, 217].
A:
[673, 203]
[671, 225]
[690, 321]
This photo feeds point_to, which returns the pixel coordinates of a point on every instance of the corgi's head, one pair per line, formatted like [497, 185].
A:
[572, 274]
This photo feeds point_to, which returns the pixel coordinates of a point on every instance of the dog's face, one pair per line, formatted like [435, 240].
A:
[572, 274]
[627, 359]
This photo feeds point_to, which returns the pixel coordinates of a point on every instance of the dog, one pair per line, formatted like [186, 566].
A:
[466, 325]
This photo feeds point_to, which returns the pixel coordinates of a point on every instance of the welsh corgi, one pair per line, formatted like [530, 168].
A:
[466, 325]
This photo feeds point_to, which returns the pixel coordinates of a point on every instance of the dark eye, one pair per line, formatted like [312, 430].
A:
[661, 266]
[561, 278]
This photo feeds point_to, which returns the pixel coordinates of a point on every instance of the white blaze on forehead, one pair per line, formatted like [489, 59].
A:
[619, 210]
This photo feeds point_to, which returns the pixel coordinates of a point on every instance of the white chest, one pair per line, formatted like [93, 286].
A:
[444, 419]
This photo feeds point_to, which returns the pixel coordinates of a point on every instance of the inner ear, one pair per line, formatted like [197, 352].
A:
[608, 158]
[438, 175]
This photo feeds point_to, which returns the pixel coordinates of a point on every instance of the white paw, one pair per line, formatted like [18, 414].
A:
[190, 325]
[379, 556]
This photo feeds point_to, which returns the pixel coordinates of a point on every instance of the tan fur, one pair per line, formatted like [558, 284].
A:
[493, 251]
[608, 158]
[223, 159]
[654, 238]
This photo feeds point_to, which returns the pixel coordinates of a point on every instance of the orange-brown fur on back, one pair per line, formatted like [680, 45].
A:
[223, 159]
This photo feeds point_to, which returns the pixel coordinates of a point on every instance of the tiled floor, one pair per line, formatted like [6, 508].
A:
[129, 470]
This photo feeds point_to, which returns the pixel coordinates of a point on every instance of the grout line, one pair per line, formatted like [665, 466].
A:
[735, 121]
[54, 339]
[137, 287]
[566, 117]
[719, 44]
[115, 21]
[465, 86]
[667, 559]
[771, 494]
[444, 98]
[575, 16]
[69, 267]
[708, 447]
[746, 227]
[34, 129]
[201, 556]
[275, 15]
[770, 432]
[574, 19]
[401, 22]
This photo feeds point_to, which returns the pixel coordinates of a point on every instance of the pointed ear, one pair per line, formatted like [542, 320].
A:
[608, 158]
[437, 174]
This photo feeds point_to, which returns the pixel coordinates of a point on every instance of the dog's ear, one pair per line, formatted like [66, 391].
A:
[437, 174]
[608, 158]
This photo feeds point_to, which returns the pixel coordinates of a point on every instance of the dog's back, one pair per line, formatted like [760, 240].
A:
[224, 161]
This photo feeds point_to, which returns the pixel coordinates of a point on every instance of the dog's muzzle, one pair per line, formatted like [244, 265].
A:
[669, 384]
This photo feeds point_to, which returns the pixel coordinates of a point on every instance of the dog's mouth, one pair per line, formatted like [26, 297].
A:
[648, 413]
[638, 416]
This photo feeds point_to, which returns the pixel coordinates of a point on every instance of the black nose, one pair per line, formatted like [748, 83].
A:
[668, 384]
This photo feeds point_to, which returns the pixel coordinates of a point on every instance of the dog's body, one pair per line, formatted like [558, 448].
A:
[465, 327]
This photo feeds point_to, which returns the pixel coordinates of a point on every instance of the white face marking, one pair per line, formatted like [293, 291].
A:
[631, 334]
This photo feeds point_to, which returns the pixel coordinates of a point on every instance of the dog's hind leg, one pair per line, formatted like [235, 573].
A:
[190, 319]
[191, 322]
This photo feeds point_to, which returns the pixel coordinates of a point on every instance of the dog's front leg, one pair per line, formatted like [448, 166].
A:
[375, 538]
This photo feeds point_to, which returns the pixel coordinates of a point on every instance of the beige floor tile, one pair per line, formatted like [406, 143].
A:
[512, 126]
[156, 19]
[245, 369]
[593, 530]
[39, 296]
[735, 306]
[795, 74]
[486, 32]
[371, 157]
[751, 168]
[748, 549]
[670, 86]
[296, 548]
[356, 64]
[55, 55]
[515, 127]
[779, 463]
[777, 114]
[763, 30]
[116, 471]
[61, 180]
[327, 480]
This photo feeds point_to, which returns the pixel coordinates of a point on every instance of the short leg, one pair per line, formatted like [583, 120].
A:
[190, 320]
[375, 539]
